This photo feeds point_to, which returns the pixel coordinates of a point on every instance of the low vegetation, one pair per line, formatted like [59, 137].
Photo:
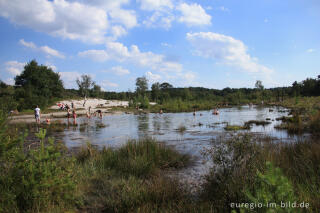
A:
[258, 123]
[236, 127]
[260, 171]
[132, 178]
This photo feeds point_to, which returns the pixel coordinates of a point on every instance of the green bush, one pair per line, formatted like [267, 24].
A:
[271, 187]
[34, 180]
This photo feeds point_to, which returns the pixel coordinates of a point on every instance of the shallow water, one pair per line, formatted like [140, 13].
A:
[164, 127]
[199, 134]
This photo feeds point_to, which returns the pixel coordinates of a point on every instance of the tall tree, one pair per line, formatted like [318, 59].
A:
[85, 84]
[259, 85]
[165, 86]
[141, 85]
[37, 85]
[96, 91]
[155, 91]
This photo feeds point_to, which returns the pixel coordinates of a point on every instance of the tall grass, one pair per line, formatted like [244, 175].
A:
[131, 179]
[241, 173]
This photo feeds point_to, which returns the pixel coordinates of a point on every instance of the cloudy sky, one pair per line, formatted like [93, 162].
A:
[208, 43]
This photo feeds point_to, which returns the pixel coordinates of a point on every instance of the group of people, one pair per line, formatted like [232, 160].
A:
[70, 114]
[63, 106]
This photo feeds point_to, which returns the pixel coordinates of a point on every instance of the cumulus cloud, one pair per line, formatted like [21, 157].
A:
[14, 67]
[88, 21]
[96, 55]
[45, 49]
[152, 77]
[155, 4]
[125, 17]
[225, 49]
[69, 79]
[193, 14]
[118, 31]
[106, 83]
[118, 70]
[119, 52]
[161, 19]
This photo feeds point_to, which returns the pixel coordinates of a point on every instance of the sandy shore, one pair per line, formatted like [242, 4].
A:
[81, 107]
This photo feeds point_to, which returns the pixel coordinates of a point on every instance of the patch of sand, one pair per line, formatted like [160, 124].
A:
[81, 107]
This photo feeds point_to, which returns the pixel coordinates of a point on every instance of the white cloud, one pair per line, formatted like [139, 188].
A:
[311, 50]
[96, 55]
[45, 49]
[28, 44]
[193, 14]
[106, 4]
[118, 31]
[155, 4]
[225, 49]
[161, 19]
[106, 83]
[152, 77]
[71, 20]
[118, 52]
[118, 70]
[125, 17]
[69, 79]
[14, 67]
[49, 65]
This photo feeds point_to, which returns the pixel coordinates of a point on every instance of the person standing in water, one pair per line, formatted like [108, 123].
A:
[74, 115]
[37, 114]
[99, 112]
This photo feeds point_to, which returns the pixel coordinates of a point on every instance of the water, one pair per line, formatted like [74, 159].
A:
[199, 134]
[164, 127]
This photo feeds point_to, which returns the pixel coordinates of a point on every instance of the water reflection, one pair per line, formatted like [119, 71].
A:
[143, 125]
[114, 130]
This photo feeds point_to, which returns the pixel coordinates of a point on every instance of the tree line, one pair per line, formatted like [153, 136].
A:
[40, 85]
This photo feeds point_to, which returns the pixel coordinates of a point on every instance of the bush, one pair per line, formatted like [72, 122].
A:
[34, 180]
[235, 164]
[271, 187]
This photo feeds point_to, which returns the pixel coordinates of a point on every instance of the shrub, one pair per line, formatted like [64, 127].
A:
[235, 163]
[34, 180]
[271, 188]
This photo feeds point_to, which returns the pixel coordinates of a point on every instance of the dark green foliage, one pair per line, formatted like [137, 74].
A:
[37, 85]
[271, 186]
[34, 180]
[7, 100]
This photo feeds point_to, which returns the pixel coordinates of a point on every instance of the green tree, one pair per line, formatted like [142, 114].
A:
[37, 85]
[96, 91]
[259, 85]
[165, 86]
[155, 91]
[141, 85]
[85, 84]
[7, 101]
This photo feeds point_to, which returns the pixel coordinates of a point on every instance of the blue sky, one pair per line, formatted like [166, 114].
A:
[208, 43]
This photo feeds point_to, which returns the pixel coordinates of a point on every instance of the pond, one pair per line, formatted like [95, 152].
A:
[114, 130]
[200, 130]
